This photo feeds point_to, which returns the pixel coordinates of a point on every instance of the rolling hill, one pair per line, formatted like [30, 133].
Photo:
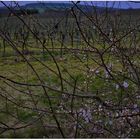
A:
[41, 7]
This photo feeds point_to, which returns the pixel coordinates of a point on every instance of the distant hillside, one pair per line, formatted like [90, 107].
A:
[60, 6]
[41, 7]
[57, 6]
[34, 8]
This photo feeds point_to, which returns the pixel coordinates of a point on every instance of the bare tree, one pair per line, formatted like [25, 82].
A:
[92, 93]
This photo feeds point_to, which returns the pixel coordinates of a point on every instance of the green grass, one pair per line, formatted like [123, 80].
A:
[71, 68]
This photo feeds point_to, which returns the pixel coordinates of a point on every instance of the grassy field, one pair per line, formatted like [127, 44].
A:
[68, 82]
[89, 80]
